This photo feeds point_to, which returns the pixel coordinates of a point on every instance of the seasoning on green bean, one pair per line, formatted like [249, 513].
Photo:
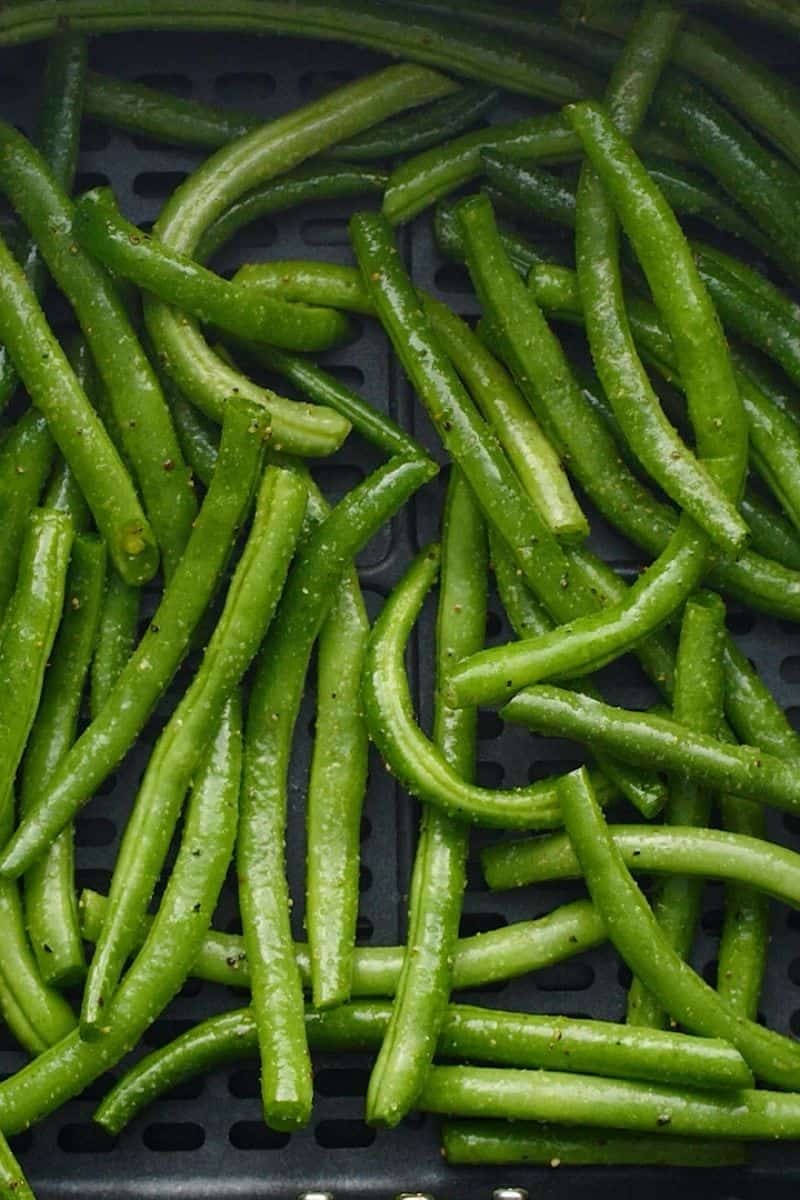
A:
[274, 704]
[493, 957]
[51, 903]
[177, 279]
[500, 1143]
[172, 942]
[200, 374]
[447, 228]
[13, 1184]
[198, 437]
[116, 639]
[26, 456]
[439, 873]
[467, 1031]
[334, 801]
[163, 645]
[252, 596]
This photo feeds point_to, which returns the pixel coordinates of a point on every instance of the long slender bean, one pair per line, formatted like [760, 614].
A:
[479, 1033]
[484, 1143]
[177, 279]
[447, 228]
[25, 460]
[160, 650]
[696, 703]
[492, 957]
[253, 594]
[198, 437]
[13, 1184]
[439, 873]
[116, 639]
[336, 787]
[771, 534]
[51, 905]
[172, 942]
[274, 704]
[637, 936]
[199, 374]
[413, 132]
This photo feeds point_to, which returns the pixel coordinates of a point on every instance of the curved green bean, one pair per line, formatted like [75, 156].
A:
[160, 650]
[51, 905]
[771, 534]
[447, 228]
[198, 373]
[198, 438]
[181, 282]
[414, 132]
[252, 596]
[172, 942]
[439, 873]
[26, 456]
[274, 704]
[484, 1143]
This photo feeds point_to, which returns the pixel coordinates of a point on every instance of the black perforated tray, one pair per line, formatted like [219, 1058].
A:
[209, 1140]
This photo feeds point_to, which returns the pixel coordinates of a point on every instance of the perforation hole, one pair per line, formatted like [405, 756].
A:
[85, 1138]
[790, 669]
[490, 774]
[453, 279]
[94, 831]
[472, 923]
[255, 1135]
[86, 180]
[108, 785]
[170, 1137]
[95, 136]
[740, 622]
[318, 83]
[336, 1081]
[157, 185]
[94, 878]
[791, 824]
[344, 1135]
[166, 1030]
[98, 1088]
[173, 82]
[325, 231]
[244, 1084]
[490, 725]
[244, 87]
[793, 716]
[565, 977]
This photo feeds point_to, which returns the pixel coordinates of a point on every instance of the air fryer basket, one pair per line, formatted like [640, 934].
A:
[208, 1139]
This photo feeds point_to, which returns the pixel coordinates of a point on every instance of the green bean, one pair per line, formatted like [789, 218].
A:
[439, 873]
[573, 1045]
[58, 137]
[484, 1143]
[116, 639]
[177, 279]
[63, 492]
[556, 1097]
[159, 652]
[51, 907]
[199, 374]
[492, 957]
[37, 1015]
[419, 765]
[517, 430]
[335, 797]
[253, 594]
[387, 28]
[775, 13]
[417, 131]
[25, 460]
[447, 228]
[697, 703]
[274, 705]
[638, 938]
[312, 181]
[771, 534]
[13, 1184]
[324, 388]
[751, 578]
[148, 437]
[172, 942]
[198, 438]
[764, 185]
[336, 286]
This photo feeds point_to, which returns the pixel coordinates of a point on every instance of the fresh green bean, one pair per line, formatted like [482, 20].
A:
[417, 131]
[313, 181]
[336, 787]
[58, 138]
[763, 184]
[172, 942]
[134, 395]
[51, 906]
[116, 639]
[492, 957]
[559, 1098]
[37, 1015]
[484, 1143]
[771, 534]
[160, 650]
[439, 873]
[13, 1184]
[25, 460]
[253, 594]
[637, 936]
[198, 373]
[274, 705]
[198, 438]
[697, 703]
[478, 1033]
[178, 280]
[387, 28]
[517, 430]
[418, 764]
[447, 228]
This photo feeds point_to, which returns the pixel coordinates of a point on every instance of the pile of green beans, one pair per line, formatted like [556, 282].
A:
[150, 448]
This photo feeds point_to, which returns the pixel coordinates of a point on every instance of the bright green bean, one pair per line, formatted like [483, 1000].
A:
[25, 460]
[116, 639]
[413, 132]
[13, 1184]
